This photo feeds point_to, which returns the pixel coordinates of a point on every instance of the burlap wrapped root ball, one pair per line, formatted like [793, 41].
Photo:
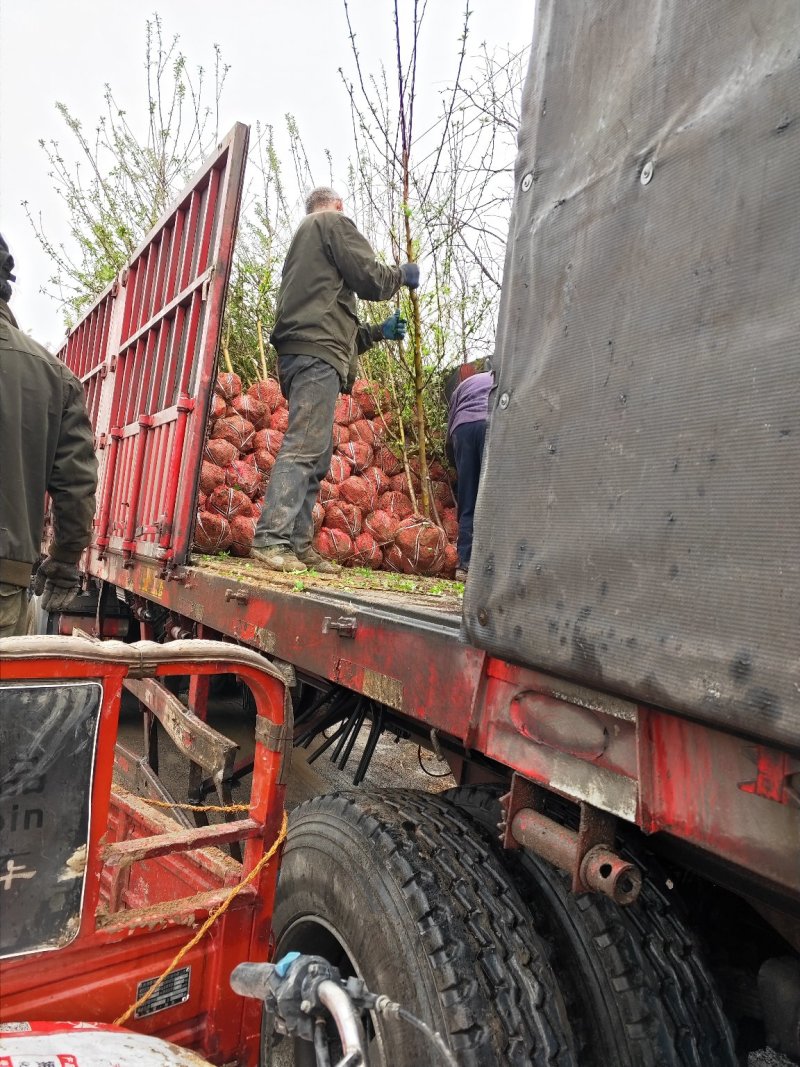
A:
[220, 452]
[341, 435]
[333, 544]
[398, 505]
[253, 410]
[364, 515]
[358, 454]
[339, 515]
[279, 420]
[422, 544]
[265, 461]
[379, 479]
[381, 526]
[211, 476]
[268, 392]
[328, 491]
[240, 432]
[243, 528]
[340, 469]
[347, 410]
[229, 502]
[366, 552]
[270, 440]
[449, 561]
[371, 397]
[244, 475]
[212, 533]
[228, 386]
[317, 516]
[360, 492]
[449, 519]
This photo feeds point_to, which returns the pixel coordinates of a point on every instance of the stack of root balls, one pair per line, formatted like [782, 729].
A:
[364, 515]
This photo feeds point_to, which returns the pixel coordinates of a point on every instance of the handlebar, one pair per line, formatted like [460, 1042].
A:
[301, 992]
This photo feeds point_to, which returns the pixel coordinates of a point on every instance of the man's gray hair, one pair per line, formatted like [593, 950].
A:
[320, 198]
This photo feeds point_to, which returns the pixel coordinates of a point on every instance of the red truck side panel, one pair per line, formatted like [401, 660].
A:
[146, 354]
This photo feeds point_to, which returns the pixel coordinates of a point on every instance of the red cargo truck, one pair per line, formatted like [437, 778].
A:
[625, 670]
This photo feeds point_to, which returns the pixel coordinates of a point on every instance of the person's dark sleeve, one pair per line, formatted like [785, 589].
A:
[366, 337]
[73, 479]
[356, 262]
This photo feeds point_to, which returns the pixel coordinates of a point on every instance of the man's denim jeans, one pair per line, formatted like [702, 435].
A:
[311, 386]
[468, 440]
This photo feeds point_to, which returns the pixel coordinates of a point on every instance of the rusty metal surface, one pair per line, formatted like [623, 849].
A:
[197, 740]
[416, 662]
[598, 869]
[689, 786]
[132, 926]
[705, 787]
[134, 774]
[125, 853]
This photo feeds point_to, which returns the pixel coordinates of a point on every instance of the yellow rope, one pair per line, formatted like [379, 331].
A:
[207, 924]
[196, 807]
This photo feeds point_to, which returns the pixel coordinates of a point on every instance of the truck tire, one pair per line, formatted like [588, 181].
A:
[637, 990]
[398, 888]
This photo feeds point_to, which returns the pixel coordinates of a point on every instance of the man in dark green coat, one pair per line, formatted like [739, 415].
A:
[46, 446]
[318, 338]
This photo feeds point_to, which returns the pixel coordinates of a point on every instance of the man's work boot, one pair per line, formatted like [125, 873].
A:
[278, 558]
[313, 559]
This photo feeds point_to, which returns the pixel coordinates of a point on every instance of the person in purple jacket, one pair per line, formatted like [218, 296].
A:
[466, 432]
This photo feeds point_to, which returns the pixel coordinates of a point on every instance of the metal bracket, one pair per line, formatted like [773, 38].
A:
[777, 777]
[238, 595]
[522, 794]
[588, 855]
[273, 736]
[345, 624]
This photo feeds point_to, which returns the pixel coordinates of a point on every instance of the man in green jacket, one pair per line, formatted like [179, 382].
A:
[318, 338]
[46, 446]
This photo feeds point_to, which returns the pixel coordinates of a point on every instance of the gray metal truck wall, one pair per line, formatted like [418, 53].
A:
[638, 523]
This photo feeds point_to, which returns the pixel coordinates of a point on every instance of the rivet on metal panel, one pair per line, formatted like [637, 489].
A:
[504, 401]
[647, 172]
[527, 182]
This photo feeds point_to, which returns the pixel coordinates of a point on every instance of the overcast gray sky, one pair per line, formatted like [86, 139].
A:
[284, 57]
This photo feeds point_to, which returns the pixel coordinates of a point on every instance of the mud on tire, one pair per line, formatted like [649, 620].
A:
[638, 993]
[398, 887]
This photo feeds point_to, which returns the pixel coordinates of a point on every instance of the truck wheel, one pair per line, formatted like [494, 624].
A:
[637, 990]
[398, 888]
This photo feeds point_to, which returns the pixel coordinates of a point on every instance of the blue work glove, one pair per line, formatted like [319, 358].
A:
[394, 329]
[56, 583]
[410, 272]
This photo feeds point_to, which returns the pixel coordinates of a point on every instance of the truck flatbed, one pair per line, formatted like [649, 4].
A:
[393, 638]
[436, 599]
